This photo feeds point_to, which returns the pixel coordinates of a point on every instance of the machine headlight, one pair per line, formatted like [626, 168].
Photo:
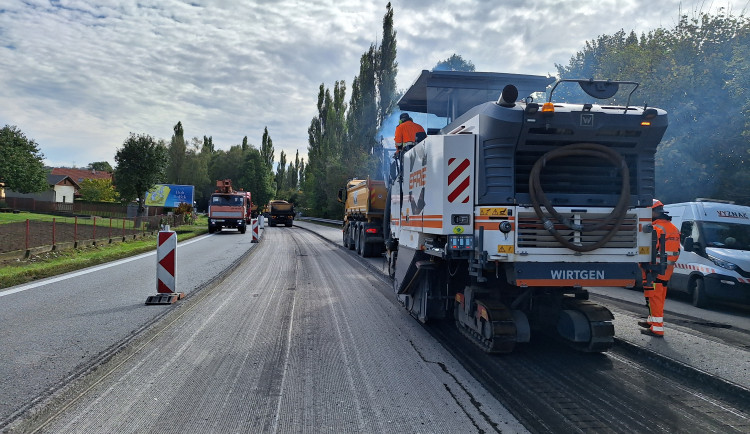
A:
[722, 263]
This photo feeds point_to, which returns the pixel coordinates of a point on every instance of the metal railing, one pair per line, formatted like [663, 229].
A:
[319, 220]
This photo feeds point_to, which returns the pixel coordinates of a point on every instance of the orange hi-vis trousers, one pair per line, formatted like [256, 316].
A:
[655, 300]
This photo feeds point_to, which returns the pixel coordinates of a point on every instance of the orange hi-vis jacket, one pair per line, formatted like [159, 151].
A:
[407, 132]
[671, 247]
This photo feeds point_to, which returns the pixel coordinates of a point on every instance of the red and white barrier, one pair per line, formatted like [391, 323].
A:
[166, 250]
[256, 234]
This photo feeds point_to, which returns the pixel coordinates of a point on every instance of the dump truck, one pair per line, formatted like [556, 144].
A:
[228, 208]
[280, 212]
[364, 209]
[501, 218]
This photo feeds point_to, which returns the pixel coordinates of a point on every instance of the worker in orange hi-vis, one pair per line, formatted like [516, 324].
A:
[407, 133]
[656, 292]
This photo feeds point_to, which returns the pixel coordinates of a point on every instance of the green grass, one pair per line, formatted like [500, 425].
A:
[7, 217]
[63, 261]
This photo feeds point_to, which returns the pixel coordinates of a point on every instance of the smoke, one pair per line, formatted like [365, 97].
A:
[387, 130]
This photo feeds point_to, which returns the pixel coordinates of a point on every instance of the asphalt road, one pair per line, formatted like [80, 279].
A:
[304, 336]
[57, 329]
[297, 339]
[693, 380]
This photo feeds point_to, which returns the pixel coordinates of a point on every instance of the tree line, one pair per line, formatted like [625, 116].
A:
[699, 72]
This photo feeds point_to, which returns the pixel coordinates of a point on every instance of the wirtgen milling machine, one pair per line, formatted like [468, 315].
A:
[506, 214]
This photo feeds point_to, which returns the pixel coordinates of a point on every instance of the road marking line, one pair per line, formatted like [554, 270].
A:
[22, 288]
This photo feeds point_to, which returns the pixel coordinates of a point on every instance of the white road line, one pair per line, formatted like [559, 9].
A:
[22, 288]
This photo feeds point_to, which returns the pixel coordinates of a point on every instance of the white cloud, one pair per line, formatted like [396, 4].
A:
[79, 75]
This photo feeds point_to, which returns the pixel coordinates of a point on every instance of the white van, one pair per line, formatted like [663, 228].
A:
[714, 262]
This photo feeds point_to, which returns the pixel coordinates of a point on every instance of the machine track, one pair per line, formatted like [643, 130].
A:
[497, 334]
[600, 321]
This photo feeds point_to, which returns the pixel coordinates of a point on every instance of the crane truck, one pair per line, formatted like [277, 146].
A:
[228, 208]
[502, 218]
[364, 208]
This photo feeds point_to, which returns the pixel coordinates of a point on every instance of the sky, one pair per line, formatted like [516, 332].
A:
[79, 76]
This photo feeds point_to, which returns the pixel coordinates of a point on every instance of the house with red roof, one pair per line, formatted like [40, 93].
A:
[78, 175]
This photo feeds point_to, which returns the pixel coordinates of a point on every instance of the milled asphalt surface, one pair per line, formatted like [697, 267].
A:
[681, 345]
[194, 353]
[297, 339]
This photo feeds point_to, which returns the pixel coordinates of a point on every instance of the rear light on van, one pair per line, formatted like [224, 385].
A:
[371, 230]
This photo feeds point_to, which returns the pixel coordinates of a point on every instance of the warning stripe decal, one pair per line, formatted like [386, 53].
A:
[459, 189]
[459, 180]
[458, 171]
[706, 270]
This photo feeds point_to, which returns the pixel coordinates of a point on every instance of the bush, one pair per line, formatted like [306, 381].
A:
[186, 210]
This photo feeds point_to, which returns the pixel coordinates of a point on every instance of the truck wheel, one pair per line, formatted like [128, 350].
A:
[348, 242]
[355, 237]
[350, 237]
[243, 229]
[699, 294]
[391, 256]
[364, 248]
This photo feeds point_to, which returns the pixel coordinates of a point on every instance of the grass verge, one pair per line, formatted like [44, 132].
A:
[53, 263]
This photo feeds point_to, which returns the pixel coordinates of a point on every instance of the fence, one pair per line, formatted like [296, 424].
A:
[78, 207]
[22, 239]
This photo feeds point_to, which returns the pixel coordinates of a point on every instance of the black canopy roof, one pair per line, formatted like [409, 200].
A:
[451, 93]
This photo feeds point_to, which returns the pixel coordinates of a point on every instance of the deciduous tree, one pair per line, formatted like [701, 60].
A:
[21, 165]
[696, 71]
[140, 164]
[454, 63]
[98, 190]
[101, 166]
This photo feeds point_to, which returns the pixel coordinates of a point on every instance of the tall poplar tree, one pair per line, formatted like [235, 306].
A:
[266, 149]
[280, 172]
[177, 149]
[387, 68]
[341, 139]
[362, 118]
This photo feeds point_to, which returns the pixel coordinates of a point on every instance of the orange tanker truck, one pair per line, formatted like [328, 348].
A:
[364, 208]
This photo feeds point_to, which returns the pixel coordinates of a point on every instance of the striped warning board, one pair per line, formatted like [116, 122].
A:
[165, 262]
[165, 270]
[254, 224]
[459, 180]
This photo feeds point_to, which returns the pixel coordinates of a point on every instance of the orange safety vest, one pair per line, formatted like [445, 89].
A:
[407, 132]
[671, 245]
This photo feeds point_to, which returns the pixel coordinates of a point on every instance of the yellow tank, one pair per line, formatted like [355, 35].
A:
[365, 198]
[364, 208]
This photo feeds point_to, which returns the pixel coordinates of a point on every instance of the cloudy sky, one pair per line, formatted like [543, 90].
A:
[77, 76]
